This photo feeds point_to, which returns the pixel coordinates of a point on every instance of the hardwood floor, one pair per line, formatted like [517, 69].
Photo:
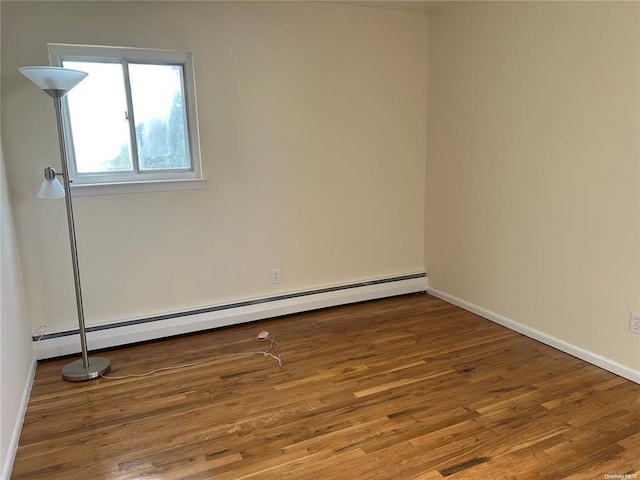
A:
[403, 388]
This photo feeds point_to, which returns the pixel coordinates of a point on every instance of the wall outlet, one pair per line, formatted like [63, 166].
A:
[275, 275]
[634, 325]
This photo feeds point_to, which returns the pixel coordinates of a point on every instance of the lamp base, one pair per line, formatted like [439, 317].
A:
[76, 371]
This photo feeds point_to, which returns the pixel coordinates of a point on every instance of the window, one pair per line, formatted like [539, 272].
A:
[131, 124]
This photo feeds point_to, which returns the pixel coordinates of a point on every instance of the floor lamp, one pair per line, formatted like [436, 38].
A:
[57, 82]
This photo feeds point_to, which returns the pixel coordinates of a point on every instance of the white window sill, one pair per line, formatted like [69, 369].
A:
[89, 189]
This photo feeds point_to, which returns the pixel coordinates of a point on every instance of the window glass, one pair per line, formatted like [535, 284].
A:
[98, 118]
[160, 119]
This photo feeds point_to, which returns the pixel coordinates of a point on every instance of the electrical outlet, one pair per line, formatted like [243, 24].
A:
[275, 275]
[634, 325]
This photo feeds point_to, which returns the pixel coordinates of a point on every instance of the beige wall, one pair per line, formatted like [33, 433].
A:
[312, 121]
[313, 142]
[17, 360]
[532, 192]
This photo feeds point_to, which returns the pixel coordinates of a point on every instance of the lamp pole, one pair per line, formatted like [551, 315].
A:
[71, 371]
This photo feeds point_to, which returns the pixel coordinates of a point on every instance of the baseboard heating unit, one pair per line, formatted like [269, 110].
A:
[127, 331]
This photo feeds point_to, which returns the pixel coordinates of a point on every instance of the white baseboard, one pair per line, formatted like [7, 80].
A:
[581, 353]
[17, 428]
[177, 323]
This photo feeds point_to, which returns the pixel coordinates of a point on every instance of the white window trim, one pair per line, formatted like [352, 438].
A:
[91, 189]
[109, 184]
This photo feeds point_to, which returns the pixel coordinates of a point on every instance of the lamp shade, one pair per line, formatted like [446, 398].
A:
[56, 81]
[51, 188]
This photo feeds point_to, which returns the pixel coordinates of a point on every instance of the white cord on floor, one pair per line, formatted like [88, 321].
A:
[273, 351]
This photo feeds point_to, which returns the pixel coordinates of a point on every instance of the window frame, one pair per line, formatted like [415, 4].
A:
[136, 181]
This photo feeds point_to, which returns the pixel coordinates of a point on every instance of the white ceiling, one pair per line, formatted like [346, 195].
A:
[414, 5]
